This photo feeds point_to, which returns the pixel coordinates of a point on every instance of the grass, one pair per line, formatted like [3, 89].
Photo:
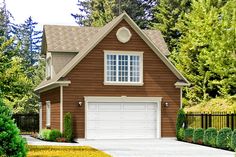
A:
[64, 151]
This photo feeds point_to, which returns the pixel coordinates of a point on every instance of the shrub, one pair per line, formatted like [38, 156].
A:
[223, 138]
[198, 136]
[209, 137]
[181, 134]
[45, 134]
[54, 134]
[188, 134]
[180, 122]
[11, 143]
[233, 140]
[68, 127]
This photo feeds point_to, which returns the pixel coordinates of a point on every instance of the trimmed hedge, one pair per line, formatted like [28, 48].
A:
[188, 134]
[68, 134]
[54, 134]
[198, 136]
[181, 117]
[233, 140]
[210, 136]
[223, 138]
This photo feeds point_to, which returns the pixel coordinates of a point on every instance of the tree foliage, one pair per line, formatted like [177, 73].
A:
[206, 54]
[29, 40]
[100, 12]
[21, 68]
[166, 15]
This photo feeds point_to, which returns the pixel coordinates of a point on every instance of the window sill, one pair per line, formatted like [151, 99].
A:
[123, 84]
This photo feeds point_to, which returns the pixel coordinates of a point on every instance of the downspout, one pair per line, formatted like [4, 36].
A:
[61, 108]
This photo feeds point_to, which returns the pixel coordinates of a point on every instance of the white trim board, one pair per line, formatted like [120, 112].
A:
[157, 100]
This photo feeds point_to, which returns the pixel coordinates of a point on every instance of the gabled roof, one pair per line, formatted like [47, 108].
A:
[102, 33]
[74, 38]
[68, 38]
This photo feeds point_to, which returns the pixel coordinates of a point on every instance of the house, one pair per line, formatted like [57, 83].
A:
[115, 80]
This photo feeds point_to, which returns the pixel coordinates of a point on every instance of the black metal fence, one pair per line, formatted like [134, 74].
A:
[27, 123]
[217, 120]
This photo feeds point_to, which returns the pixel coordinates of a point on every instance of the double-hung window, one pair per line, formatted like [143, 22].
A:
[123, 68]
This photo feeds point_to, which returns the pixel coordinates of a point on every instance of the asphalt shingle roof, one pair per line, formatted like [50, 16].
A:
[74, 38]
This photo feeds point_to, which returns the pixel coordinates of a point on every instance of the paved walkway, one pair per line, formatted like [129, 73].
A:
[33, 141]
[144, 148]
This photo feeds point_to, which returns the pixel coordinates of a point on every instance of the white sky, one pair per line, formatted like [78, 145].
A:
[43, 11]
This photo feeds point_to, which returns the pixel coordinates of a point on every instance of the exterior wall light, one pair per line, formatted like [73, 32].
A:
[80, 103]
[166, 104]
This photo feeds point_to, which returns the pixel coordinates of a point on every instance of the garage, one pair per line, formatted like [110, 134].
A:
[122, 118]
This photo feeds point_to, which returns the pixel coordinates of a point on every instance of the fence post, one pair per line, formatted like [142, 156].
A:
[186, 121]
[232, 121]
[206, 122]
[210, 120]
[202, 121]
[227, 120]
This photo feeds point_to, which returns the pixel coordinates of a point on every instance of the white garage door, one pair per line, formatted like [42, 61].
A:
[106, 120]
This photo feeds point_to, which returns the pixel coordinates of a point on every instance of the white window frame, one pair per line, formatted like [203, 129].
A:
[112, 52]
[48, 113]
[49, 66]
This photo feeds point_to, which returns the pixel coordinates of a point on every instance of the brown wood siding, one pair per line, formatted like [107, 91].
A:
[55, 116]
[88, 76]
[53, 96]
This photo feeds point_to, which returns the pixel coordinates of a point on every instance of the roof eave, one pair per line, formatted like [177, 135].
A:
[51, 85]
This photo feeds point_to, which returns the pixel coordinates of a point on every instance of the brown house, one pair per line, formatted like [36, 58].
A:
[115, 80]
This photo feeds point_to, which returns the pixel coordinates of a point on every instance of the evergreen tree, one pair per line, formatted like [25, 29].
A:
[11, 143]
[207, 49]
[29, 39]
[166, 15]
[100, 12]
[15, 84]
[21, 68]
[5, 17]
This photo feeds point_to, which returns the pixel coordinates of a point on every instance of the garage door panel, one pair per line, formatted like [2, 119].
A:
[100, 125]
[138, 125]
[104, 115]
[151, 106]
[109, 107]
[134, 106]
[138, 115]
[121, 120]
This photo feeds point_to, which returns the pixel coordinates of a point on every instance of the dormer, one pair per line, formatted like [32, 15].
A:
[55, 61]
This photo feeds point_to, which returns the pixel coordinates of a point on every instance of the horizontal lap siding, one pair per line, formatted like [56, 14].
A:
[88, 76]
[53, 96]
[55, 116]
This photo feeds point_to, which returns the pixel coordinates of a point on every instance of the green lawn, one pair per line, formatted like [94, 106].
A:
[64, 151]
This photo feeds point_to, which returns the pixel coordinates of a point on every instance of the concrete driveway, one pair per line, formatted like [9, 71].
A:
[154, 148]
